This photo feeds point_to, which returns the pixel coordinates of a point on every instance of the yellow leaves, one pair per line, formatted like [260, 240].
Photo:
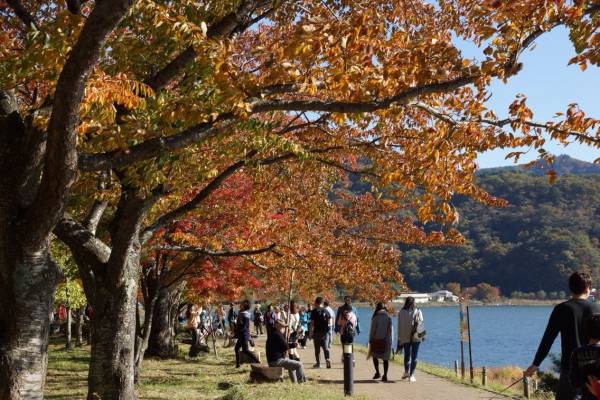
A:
[104, 91]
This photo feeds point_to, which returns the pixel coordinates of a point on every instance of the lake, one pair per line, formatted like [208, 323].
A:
[500, 335]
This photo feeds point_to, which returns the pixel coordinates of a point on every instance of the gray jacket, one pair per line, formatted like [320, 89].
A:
[406, 321]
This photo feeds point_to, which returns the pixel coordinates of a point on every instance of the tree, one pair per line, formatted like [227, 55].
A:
[190, 93]
[487, 293]
[454, 287]
[30, 205]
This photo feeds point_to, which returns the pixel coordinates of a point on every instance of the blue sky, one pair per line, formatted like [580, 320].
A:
[550, 86]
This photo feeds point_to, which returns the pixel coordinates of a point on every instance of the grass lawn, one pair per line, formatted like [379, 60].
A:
[205, 377]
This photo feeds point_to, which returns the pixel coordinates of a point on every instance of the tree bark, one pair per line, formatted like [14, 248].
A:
[79, 326]
[111, 373]
[68, 328]
[31, 203]
[26, 307]
[143, 331]
[110, 280]
[161, 341]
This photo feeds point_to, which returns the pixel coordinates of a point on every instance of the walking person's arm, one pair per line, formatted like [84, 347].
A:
[550, 334]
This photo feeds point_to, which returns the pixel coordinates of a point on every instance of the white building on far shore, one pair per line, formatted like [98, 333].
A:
[419, 297]
[443, 295]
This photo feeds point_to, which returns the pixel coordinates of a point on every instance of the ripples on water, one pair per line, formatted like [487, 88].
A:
[501, 336]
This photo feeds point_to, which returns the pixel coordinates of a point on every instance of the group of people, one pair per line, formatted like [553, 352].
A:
[288, 328]
[411, 333]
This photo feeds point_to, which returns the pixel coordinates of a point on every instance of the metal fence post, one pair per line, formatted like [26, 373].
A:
[526, 386]
[484, 376]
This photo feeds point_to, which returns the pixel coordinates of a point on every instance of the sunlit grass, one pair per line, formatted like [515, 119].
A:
[205, 377]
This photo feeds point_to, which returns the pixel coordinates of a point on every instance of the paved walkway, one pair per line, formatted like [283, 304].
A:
[427, 387]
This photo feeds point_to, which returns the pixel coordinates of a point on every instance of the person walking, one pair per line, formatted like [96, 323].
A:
[331, 321]
[258, 320]
[410, 318]
[380, 340]
[242, 334]
[346, 306]
[221, 318]
[567, 319]
[232, 317]
[193, 319]
[294, 328]
[276, 348]
[585, 362]
[270, 319]
[303, 317]
[320, 332]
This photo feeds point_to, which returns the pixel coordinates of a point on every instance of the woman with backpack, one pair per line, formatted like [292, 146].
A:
[411, 333]
[380, 340]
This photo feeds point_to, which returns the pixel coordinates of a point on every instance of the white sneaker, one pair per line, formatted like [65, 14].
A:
[412, 378]
[406, 375]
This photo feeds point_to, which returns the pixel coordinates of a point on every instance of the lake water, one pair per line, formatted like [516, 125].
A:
[501, 335]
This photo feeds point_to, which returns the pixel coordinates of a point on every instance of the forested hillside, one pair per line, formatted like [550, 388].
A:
[547, 231]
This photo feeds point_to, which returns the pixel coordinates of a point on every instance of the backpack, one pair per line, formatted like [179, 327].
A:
[418, 332]
[321, 320]
[348, 333]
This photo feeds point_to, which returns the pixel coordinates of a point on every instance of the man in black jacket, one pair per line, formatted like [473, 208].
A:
[277, 346]
[567, 319]
[242, 334]
[585, 362]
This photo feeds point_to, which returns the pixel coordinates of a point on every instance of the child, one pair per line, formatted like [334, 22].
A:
[585, 362]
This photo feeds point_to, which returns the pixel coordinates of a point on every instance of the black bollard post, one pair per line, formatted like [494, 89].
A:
[348, 369]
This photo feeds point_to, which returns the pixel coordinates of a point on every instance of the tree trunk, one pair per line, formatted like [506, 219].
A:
[161, 343]
[143, 332]
[68, 327]
[79, 326]
[26, 306]
[111, 373]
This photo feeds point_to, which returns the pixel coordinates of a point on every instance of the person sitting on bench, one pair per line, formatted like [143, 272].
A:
[277, 346]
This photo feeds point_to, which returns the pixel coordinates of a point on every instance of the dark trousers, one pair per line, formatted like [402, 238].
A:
[564, 390]
[321, 341]
[242, 344]
[411, 350]
[258, 328]
[386, 365]
[193, 348]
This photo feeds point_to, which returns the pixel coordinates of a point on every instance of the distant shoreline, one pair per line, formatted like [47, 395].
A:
[474, 303]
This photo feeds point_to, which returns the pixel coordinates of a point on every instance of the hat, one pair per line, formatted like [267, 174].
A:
[281, 323]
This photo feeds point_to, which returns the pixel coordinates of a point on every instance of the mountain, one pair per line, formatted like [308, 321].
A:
[546, 232]
[563, 165]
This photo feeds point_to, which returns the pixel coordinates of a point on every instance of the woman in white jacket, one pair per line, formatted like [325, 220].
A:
[410, 323]
[294, 326]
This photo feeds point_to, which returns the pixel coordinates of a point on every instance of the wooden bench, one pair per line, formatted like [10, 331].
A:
[259, 372]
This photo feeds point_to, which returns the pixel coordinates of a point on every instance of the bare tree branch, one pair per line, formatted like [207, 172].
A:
[152, 147]
[95, 215]
[501, 123]
[221, 253]
[192, 204]
[365, 106]
[60, 167]
[21, 12]
[198, 133]
[227, 26]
